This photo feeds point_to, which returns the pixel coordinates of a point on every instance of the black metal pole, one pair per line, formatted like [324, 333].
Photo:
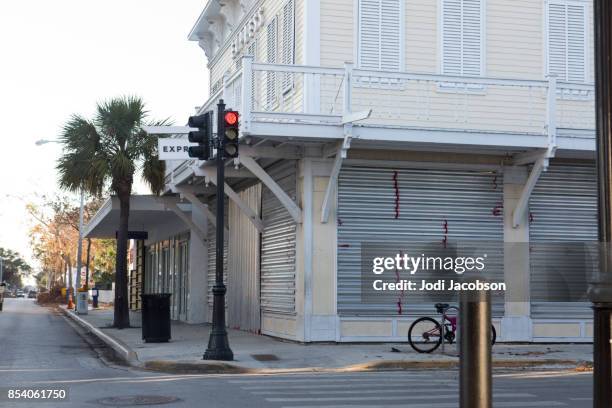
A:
[475, 377]
[600, 289]
[218, 343]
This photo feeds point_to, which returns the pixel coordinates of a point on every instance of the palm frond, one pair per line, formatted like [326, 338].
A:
[81, 142]
[119, 119]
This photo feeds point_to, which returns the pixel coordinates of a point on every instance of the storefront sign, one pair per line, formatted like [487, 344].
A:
[173, 149]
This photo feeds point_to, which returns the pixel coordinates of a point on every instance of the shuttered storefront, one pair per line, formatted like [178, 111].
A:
[243, 264]
[431, 205]
[278, 244]
[563, 210]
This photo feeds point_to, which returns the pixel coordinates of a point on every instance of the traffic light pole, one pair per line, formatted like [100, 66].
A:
[218, 343]
[600, 289]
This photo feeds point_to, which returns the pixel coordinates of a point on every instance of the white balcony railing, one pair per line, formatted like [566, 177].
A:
[274, 92]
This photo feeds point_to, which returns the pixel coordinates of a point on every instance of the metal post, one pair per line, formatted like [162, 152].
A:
[475, 378]
[218, 343]
[1, 270]
[79, 253]
[600, 289]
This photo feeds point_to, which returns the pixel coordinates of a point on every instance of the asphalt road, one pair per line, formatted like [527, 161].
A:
[39, 348]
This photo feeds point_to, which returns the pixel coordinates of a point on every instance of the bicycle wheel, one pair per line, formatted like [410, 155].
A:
[493, 335]
[424, 335]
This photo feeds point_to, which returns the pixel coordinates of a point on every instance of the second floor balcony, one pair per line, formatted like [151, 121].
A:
[293, 102]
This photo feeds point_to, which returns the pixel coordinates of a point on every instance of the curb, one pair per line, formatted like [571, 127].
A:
[387, 365]
[123, 351]
[222, 367]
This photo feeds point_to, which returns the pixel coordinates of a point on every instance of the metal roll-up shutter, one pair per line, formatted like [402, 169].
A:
[278, 243]
[563, 207]
[243, 311]
[212, 255]
[467, 203]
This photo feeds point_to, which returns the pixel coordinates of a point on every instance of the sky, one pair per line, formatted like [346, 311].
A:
[60, 57]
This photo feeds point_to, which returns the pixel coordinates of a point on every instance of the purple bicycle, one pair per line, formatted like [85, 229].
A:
[426, 334]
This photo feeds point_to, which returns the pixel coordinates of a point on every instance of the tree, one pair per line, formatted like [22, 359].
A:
[106, 152]
[14, 267]
[54, 237]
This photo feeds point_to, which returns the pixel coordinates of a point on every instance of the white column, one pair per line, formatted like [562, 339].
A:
[516, 323]
[312, 55]
[197, 305]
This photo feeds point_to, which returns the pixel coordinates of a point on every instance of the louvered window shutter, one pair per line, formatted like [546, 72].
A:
[566, 41]
[462, 37]
[271, 58]
[252, 50]
[380, 34]
[288, 43]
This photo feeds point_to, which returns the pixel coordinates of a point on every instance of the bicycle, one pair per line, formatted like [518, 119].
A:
[425, 334]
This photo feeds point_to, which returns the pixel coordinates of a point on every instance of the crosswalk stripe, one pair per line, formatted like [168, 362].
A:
[353, 391]
[513, 404]
[329, 379]
[408, 385]
[390, 397]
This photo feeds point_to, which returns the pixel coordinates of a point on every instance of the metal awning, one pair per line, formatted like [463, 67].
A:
[146, 211]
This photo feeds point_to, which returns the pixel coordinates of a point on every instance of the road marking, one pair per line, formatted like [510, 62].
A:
[452, 395]
[440, 405]
[344, 385]
[411, 391]
[328, 379]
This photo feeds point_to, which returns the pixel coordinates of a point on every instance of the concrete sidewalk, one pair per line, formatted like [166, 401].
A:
[261, 354]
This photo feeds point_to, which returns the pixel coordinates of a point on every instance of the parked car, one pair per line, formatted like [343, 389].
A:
[32, 294]
[20, 294]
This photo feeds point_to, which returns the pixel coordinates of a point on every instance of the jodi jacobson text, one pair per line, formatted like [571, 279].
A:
[438, 286]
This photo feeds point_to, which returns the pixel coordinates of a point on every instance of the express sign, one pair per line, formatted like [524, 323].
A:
[173, 149]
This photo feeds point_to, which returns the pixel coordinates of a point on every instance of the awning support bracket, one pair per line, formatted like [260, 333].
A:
[211, 174]
[286, 201]
[341, 154]
[519, 211]
[179, 213]
[541, 158]
[195, 201]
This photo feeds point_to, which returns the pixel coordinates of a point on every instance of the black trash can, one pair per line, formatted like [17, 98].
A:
[156, 317]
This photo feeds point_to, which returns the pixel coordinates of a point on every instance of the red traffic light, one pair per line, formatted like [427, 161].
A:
[231, 118]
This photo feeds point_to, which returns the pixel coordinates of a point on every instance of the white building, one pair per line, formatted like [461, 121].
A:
[482, 112]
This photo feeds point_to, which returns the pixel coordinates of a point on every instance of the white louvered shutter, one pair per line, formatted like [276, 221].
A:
[566, 40]
[271, 58]
[380, 34]
[462, 37]
[288, 43]
[252, 50]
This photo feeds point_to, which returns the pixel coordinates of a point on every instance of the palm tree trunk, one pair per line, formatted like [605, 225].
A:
[122, 315]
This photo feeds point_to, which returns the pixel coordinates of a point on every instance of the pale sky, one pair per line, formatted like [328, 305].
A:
[59, 57]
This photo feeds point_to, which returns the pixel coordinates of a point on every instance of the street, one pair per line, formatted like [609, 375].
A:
[41, 349]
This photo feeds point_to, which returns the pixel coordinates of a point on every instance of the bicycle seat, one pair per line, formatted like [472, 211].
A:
[441, 307]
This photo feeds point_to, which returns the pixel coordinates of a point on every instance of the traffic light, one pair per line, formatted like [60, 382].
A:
[231, 121]
[202, 136]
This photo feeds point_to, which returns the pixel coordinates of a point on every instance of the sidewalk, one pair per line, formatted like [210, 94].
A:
[261, 354]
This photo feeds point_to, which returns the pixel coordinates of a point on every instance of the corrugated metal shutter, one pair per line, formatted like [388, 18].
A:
[243, 271]
[380, 34]
[428, 198]
[563, 209]
[212, 256]
[462, 37]
[566, 40]
[278, 244]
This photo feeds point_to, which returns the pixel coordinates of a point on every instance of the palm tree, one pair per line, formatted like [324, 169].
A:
[105, 153]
